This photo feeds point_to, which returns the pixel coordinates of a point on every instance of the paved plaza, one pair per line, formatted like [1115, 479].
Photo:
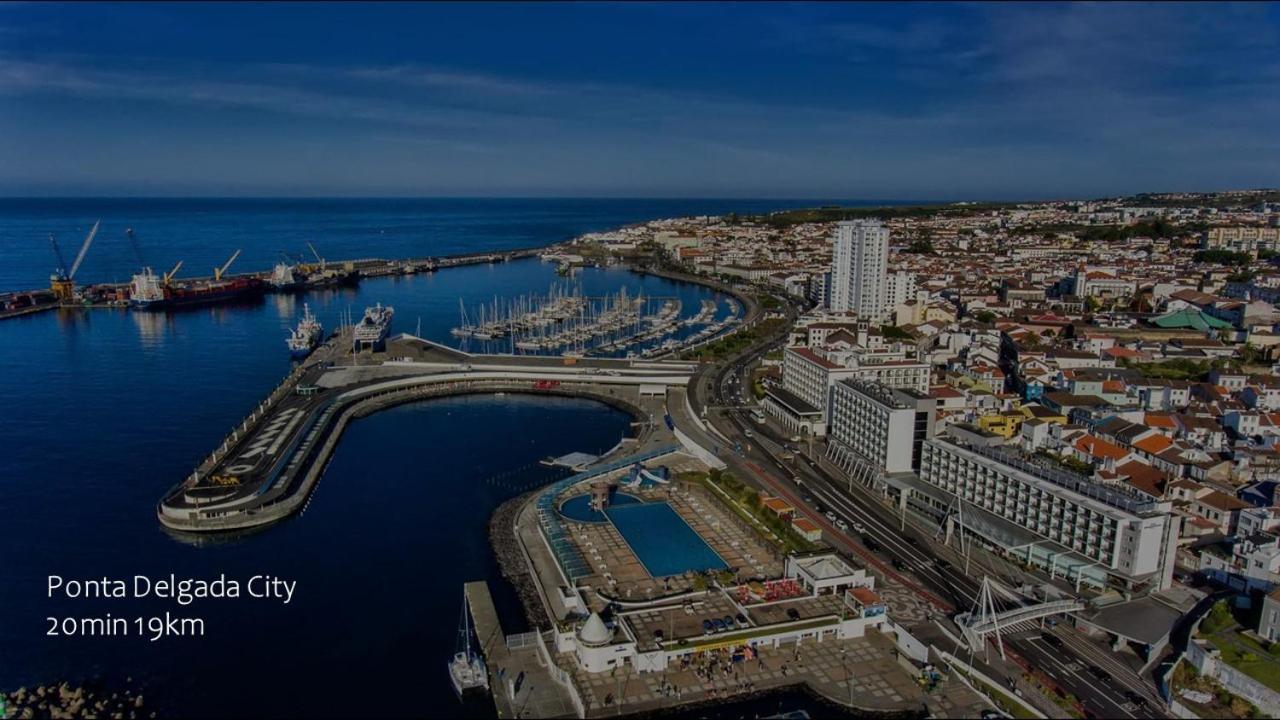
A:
[862, 672]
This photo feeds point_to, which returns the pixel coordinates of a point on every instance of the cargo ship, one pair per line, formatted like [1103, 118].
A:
[148, 292]
[283, 279]
[306, 336]
[371, 332]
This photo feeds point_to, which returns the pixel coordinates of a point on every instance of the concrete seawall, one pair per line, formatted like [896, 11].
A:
[306, 432]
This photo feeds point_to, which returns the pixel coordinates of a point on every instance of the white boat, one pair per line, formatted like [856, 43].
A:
[467, 671]
[306, 336]
[371, 332]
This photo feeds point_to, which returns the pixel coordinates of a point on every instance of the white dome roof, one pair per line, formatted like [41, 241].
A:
[594, 632]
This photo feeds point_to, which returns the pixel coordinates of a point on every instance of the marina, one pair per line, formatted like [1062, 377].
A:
[231, 356]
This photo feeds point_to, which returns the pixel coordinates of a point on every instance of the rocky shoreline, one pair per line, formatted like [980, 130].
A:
[90, 700]
[511, 562]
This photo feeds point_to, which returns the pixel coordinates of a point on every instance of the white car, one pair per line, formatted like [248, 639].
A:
[831, 516]
[842, 525]
[858, 528]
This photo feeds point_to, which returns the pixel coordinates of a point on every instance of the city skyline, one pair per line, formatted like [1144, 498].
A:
[917, 102]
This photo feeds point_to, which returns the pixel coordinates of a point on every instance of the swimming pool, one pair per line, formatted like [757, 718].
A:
[578, 508]
[662, 540]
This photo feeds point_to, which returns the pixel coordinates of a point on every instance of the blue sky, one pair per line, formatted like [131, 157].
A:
[914, 101]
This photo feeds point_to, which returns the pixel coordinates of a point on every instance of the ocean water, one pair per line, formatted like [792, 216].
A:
[103, 410]
[203, 233]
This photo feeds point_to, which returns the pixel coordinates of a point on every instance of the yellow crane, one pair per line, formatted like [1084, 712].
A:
[62, 283]
[217, 272]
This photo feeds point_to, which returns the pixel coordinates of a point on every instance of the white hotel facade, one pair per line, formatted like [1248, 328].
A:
[1065, 523]
[802, 401]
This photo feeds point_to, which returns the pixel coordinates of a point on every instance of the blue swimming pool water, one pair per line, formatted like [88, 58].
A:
[579, 508]
[662, 540]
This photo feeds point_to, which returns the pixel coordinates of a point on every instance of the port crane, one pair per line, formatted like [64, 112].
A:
[169, 275]
[62, 283]
[217, 272]
[137, 249]
[318, 258]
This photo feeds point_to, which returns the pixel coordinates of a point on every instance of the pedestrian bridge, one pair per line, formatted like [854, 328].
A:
[980, 625]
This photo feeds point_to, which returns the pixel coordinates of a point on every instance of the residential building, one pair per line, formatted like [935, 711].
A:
[858, 268]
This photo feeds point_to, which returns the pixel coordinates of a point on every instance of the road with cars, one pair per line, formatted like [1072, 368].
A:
[858, 523]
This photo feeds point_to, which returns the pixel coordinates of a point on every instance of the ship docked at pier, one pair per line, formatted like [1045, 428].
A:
[306, 336]
[149, 291]
[372, 330]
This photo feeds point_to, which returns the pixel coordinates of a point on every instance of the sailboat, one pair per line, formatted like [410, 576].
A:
[467, 670]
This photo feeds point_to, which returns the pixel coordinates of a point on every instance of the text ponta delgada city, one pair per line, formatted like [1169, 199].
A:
[182, 590]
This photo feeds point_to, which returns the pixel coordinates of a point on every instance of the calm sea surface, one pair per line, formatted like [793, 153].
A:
[103, 410]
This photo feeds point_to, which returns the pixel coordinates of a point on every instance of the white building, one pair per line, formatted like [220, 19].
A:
[884, 426]
[800, 403]
[1065, 523]
[900, 288]
[858, 268]
[802, 400]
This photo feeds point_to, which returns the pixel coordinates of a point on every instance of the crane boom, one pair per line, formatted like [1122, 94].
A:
[217, 274]
[169, 275]
[57, 251]
[83, 249]
[313, 252]
[137, 249]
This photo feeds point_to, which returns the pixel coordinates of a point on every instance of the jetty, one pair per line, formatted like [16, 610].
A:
[520, 669]
[265, 468]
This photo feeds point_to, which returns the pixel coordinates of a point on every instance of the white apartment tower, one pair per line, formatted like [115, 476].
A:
[858, 269]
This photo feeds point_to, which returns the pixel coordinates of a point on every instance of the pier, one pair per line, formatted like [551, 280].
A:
[18, 303]
[520, 671]
[266, 467]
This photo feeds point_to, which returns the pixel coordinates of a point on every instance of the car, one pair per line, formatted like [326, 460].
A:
[808, 499]
[898, 564]
[859, 527]
[911, 541]
[707, 627]
[748, 433]
[830, 516]
[718, 624]
[870, 544]
[842, 525]
[942, 564]
[1051, 640]
[1099, 673]
[793, 614]
[795, 438]
[818, 507]
[742, 620]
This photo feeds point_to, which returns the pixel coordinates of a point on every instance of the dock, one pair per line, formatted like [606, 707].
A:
[520, 677]
[266, 468]
[18, 303]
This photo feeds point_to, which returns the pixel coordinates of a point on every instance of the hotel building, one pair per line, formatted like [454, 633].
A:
[882, 426]
[1104, 536]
